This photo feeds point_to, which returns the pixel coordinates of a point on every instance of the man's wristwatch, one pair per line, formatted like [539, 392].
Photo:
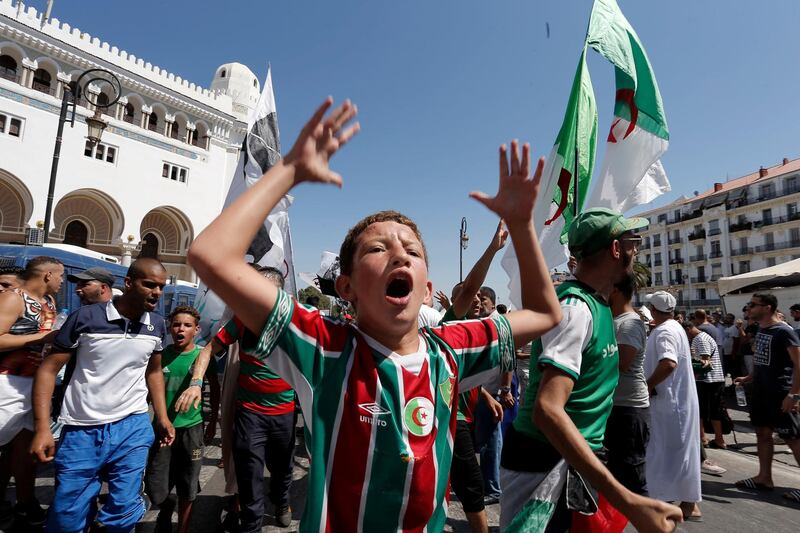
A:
[794, 397]
[196, 383]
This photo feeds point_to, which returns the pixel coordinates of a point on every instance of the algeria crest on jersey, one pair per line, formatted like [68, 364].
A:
[446, 390]
[418, 416]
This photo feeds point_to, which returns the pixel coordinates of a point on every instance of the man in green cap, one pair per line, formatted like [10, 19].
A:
[562, 420]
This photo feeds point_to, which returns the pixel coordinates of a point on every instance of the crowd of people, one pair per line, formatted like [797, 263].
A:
[400, 404]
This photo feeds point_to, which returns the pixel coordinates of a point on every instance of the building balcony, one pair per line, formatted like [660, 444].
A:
[791, 189]
[674, 240]
[656, 243]
[692, 215]
[676, 261]
[777, 220]
[706, 302]
[741, 251]
[715, 277]
[699, 279]
[699, 257]
[43, 88]
[772, 246]
[645, 246]
[740, 226]
[715, 254]
[714, 231]
[657, 263]
[693, 236]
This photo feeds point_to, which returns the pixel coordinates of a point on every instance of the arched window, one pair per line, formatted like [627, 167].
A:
[193, 137]
[41, 80]
[149, 246]
[76, 234]
[102, 101]
[222, 73]
[128, 115]
[8, 68]
[152, 122]
[175, 133]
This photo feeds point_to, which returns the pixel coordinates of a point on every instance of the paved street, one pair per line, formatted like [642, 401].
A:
[725, 508]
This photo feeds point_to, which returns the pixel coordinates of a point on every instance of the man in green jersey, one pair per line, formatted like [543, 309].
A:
[178, 465]
[568, 400]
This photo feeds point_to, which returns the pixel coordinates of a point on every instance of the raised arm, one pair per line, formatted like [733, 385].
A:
[514, 203]
[472, 283]
[217, 254]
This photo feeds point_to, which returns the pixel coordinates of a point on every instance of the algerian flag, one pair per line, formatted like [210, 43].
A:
[272, 245]
[564, 184]
[632, 173]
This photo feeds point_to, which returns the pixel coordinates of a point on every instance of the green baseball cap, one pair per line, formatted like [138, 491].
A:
[596, 228]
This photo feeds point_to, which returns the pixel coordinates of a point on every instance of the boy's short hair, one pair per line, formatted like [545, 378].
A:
[35, 265]
[184, 310]
[273, 274]
[348, 248]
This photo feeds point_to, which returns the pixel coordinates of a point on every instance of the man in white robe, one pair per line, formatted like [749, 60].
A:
[673, 453]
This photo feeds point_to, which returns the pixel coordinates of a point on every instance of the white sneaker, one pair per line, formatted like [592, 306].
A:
[709, 467]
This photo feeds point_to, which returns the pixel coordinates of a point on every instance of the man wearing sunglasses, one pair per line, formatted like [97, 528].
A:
[775, 404]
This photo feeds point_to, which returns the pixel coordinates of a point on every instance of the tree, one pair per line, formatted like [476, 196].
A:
[641, 275]
[303, 296]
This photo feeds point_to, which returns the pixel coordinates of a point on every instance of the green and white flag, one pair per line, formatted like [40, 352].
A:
[564, 184]
[632, 173]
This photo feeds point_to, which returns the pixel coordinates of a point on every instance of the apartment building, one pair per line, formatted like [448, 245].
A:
[745, 224]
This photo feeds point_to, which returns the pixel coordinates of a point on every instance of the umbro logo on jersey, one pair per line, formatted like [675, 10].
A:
[375, 411]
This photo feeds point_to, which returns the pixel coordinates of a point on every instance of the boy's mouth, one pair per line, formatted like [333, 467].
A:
[398, 290]
[179, 337]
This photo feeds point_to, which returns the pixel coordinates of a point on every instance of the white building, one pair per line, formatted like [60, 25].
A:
[745, 224]
[162, 170]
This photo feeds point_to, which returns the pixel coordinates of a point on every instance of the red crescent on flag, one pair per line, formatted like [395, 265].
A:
[415, 416]
[627, 96]
[564, 182]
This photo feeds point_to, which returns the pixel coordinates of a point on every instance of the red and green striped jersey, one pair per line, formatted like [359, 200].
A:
[379, 426]
[259, 389]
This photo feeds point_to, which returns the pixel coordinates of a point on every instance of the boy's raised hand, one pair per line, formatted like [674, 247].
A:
[320, 138]
[517, 191]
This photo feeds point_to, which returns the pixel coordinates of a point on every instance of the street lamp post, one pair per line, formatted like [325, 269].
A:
[95, 124]
[463, 241]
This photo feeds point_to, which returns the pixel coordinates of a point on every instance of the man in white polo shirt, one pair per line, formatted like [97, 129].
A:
[114, 350]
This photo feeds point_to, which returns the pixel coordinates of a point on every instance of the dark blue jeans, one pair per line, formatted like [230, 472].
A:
[260, 440]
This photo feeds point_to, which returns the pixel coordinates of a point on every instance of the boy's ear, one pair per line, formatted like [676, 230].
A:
[428, 290]
[344, 288]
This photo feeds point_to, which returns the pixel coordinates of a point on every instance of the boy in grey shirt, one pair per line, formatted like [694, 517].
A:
[628, 428]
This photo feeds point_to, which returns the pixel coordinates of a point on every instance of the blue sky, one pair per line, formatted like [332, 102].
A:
[440, 85]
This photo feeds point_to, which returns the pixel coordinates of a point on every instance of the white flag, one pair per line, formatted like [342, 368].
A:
[272, 245]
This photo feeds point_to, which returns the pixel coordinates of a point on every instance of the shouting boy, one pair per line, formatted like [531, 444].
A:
[178, 465]
[379, 396]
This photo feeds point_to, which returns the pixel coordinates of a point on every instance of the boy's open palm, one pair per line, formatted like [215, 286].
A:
[320, 138]
[517, 191]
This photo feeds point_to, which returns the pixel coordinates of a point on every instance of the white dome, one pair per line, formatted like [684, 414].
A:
[238, 82]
